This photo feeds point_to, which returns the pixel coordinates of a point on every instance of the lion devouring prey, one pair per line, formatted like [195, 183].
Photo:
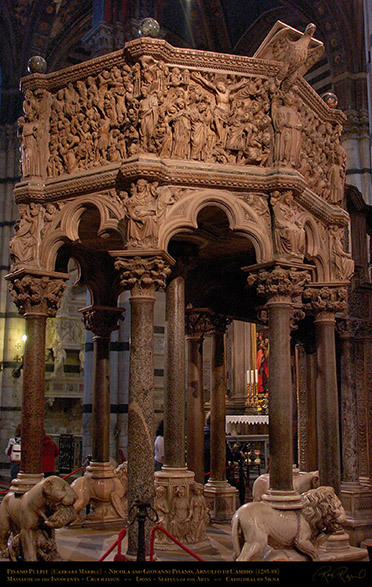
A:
[256, 525]
[27, 521]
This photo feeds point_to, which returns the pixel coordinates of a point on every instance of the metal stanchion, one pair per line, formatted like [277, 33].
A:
[144, 511]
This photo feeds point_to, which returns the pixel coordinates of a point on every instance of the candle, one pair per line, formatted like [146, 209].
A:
[256, 375]
[248, 378]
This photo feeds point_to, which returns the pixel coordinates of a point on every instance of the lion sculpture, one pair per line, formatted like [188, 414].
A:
[257, 524]
[27, 522]
[112, 492]
[301, 482]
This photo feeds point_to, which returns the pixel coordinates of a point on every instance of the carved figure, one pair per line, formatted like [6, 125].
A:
[141, 212]
[287, 126]
[162, 509]
[255, 525]
[342, 262]
[301, 482]
[180, 513]
[223, 94]
[23, 246]
[289, 234]
[94, 491]
[27, 522]
[199, 514]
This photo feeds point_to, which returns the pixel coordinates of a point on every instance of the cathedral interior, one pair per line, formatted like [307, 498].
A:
[186, 222]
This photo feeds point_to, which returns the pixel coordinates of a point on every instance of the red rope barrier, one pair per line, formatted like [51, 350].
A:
[152, 539]
[73, 472]
[118, 541]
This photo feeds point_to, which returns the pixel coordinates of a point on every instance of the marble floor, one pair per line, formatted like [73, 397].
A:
[77, 544]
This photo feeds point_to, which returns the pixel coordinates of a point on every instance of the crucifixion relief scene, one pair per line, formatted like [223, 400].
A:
[186, 284]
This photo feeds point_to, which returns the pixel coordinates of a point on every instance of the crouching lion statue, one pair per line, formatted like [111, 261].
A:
[28, 521]
[256, 525]
[108, 495]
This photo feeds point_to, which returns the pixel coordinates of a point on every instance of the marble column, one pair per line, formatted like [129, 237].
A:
[175, 475]
[101, 321]
[306, 378]
[324, 301]
[174, 397]
[142, 276]
[37, 296]
[329, 461]
[219, 494]
[197, 324]
[356, 498]
[280, 284]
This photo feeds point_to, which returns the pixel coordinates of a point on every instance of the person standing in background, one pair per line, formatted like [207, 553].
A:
[49, 452]
[13, 450]
[159, 446]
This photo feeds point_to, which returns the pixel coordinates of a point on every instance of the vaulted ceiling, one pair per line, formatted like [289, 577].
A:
[55, 30]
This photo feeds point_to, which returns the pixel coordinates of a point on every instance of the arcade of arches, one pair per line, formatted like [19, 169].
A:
[191, 237]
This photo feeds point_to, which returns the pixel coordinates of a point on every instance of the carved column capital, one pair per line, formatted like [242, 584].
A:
[37, 292]
[198, 321]
[325, 300]
[279, 283]
[348, 328]
[101, 320]
[143, 274]
[218, 324]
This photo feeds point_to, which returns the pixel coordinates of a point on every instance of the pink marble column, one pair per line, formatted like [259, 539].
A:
[219, 494]
[197, 324]
[37, 296]
[174, 396]
[101, 320]
[280, 283]
[143, 276]
[324, 302]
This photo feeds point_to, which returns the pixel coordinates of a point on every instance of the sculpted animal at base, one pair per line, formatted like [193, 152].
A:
[301, 482]
[256, 525]
[27, 522]
[114, 490]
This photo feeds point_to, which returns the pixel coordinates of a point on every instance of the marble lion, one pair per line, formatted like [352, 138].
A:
[114, 490]
[301, 482]
[27, 522]
[256, 525]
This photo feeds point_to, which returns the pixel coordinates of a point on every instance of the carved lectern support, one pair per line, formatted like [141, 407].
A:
[37, 295]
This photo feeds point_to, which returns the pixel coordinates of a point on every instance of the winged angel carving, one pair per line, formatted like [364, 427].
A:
[297, 54]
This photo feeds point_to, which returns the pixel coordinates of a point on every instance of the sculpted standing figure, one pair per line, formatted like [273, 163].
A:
[199, 514]
[287, 126]
[148, 116]
[180, 513]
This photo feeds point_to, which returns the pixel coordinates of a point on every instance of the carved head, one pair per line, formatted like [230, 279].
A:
[58, 492]
[323, 510]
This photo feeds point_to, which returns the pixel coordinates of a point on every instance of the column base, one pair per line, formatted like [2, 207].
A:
[192, 532]
[357, 502]
[283, 500]
[25, 481]
[104, 489]
[336, 547]
[221, 498]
